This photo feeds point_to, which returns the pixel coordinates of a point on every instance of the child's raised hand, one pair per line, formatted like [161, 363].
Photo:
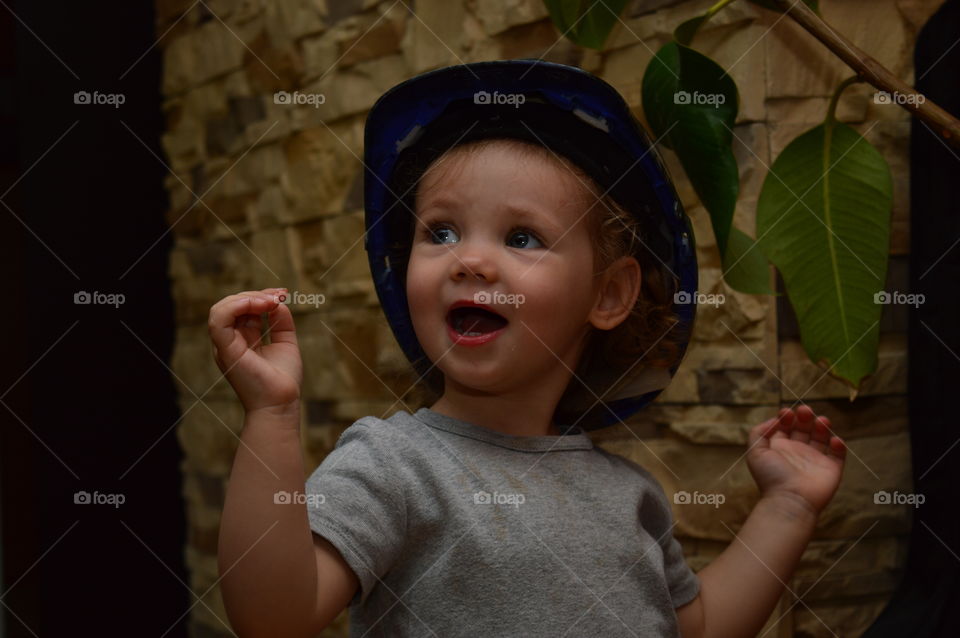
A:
[263, 376]
[795, 454]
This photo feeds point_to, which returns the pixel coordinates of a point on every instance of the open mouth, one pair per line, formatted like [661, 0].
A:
[472, 321]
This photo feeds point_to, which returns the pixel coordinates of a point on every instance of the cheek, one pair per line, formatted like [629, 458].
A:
[556, 285]
[419, 286]
[558, 301]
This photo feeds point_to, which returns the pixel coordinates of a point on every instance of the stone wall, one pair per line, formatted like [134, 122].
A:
[281, 191]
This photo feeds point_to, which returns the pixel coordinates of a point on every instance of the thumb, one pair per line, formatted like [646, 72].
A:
[758, 437]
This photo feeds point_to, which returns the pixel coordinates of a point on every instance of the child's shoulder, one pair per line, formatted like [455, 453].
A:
[626, 465]
[391, 433]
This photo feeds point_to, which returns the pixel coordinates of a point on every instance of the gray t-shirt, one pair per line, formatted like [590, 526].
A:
[454, 529]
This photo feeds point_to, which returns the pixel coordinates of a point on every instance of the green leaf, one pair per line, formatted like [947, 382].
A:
[691, 105]
[823, 219]
[585, 23]
[773, 6]
[744, 266]
[685, 32]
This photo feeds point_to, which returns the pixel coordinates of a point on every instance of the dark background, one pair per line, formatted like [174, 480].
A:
[82, 200]
[928, 600]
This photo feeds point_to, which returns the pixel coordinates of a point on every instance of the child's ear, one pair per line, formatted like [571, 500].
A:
[619, 289]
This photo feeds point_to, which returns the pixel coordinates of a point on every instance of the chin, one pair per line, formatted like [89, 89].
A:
[488, 378]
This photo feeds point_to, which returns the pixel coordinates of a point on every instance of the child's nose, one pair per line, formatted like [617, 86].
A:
[473, 262]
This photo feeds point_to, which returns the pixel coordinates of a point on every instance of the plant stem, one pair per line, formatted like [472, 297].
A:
[873, 72]
[832, 109]
[721, 4]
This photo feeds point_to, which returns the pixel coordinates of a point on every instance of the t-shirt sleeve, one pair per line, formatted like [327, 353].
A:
[657, 518]
[355, 501]
[684, 583]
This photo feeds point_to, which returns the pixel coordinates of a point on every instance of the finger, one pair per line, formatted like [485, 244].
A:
[837, 448]
[787, 418]
[757, 436]
[803, 427]
[784, 422]
[218, 309]
[275, 298]
[251, 325]
[281, 325]
[223, 316]
[270, 299]
[820, 436]
[266, 299]
[268, 294]
[223, 321]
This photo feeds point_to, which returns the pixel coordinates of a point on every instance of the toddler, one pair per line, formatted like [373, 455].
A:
[530, 255]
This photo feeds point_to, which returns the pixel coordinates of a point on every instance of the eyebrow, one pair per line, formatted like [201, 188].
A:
[535, 218]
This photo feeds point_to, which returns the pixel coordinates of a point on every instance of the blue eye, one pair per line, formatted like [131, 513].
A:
[440, 233]
[522, 232]
[434, 232]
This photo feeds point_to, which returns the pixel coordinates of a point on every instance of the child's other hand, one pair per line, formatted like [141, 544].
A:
[263, 376]
[794, 454]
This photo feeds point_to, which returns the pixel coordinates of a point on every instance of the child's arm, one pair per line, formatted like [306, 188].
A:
[797, 465]
[266, 556]
[265, 551]
[278, 578]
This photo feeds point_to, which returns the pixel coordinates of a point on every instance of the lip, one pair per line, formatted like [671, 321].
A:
[465, 340]
[478, 340]
[467, 302]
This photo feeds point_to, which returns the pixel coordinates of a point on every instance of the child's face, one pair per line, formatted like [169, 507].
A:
[515, 228]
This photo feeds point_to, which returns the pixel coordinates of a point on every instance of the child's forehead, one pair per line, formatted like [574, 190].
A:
[526, 164]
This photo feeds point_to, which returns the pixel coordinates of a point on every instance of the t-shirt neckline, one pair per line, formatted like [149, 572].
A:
[577, 438]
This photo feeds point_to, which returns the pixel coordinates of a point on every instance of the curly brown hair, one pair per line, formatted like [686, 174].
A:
[652, 332]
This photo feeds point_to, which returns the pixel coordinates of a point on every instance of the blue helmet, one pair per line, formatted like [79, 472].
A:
[573, 113]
